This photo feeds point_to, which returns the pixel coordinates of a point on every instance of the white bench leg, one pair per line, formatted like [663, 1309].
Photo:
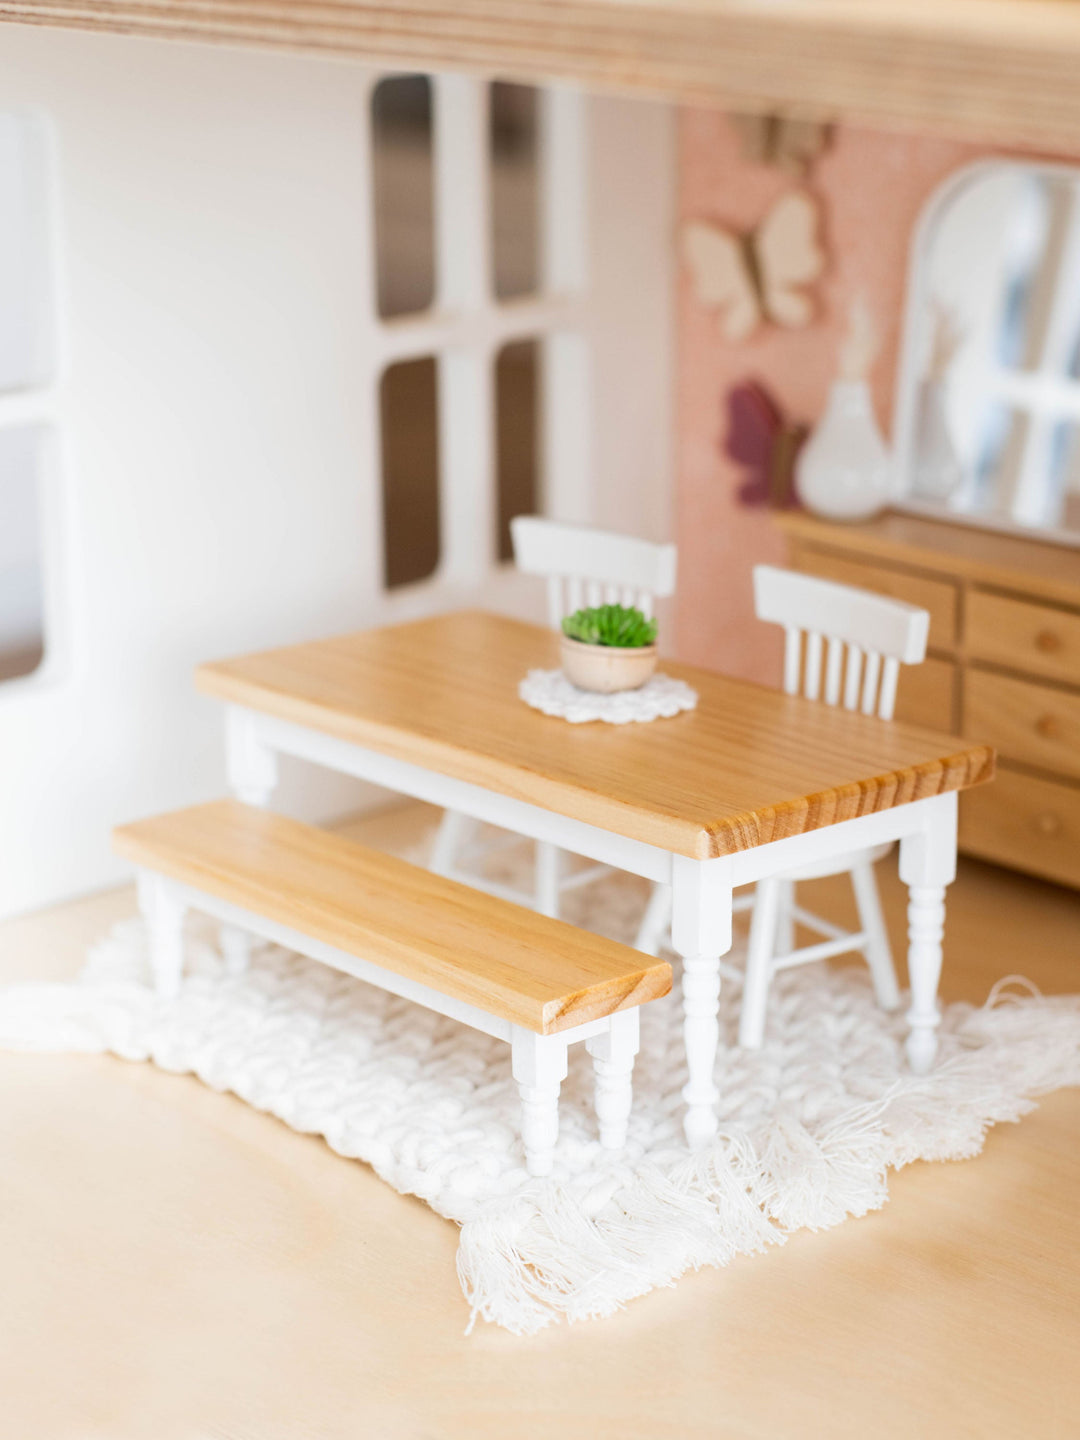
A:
[539, 1065]
[163, 912]
[613, 1065]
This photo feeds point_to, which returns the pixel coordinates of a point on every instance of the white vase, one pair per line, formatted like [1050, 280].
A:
[844, 471]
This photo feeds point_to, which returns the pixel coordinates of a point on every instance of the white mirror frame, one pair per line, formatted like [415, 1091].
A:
[912, 350]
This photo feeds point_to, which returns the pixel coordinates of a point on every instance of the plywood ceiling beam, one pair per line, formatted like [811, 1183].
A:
[1001, 70]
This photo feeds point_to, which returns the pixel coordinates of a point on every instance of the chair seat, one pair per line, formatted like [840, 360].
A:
[837, 864]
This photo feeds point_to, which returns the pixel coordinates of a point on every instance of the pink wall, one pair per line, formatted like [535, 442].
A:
[872, 187]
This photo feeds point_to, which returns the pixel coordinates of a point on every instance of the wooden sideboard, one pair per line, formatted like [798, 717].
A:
[1003, 665]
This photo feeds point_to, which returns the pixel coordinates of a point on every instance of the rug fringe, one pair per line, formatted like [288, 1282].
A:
[798, 1149]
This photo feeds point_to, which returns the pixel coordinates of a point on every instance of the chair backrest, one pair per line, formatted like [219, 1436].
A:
[879, 634]
[592, 567]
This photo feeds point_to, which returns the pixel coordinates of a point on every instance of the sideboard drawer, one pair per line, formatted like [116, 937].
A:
[925, 694]
[1023, 720]
[937, 596]
[1027, 823]
[1024, 635]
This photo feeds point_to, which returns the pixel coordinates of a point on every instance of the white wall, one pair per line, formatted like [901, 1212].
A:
[214, 485]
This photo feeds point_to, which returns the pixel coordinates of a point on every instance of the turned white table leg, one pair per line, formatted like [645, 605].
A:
[701, 934]
[926, 930]
[539, 1065]
[613, 1066]
[250, 763]
[927, 866]
[252, 770]
[163, 913]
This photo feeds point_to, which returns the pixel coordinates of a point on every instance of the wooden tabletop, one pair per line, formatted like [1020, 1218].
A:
[749, 765]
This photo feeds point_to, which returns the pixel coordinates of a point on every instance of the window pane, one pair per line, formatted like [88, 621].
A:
[1061, 502]
[410, 471]
[517, 427]
[515, 189]
[1001, 438]
[404, 207]
[25, 358]
[22, 629]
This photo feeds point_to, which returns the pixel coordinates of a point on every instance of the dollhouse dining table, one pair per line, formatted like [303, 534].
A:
[750, 783]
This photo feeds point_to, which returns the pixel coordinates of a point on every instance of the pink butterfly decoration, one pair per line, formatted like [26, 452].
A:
[764, 443]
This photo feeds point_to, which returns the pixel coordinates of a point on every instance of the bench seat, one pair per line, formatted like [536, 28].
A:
[536, 982]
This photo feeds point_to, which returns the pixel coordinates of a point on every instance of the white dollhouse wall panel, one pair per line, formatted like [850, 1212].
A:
[211, 480]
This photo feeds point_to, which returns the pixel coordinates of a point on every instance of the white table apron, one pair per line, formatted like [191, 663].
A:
[701, 889]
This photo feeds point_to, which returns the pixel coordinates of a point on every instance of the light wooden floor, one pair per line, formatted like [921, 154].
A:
[178, 1267]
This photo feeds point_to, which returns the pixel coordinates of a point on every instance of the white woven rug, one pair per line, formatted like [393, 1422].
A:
[810, 1125]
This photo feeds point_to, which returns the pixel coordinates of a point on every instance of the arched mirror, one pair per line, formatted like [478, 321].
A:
[988, 405]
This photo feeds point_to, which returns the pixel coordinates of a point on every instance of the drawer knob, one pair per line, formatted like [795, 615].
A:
[1049, 727]
[1048, 823]
[1048, 641]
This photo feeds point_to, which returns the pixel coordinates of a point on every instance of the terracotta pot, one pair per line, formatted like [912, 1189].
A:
[607, 668]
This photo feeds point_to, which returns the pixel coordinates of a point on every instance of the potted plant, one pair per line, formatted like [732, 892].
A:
[609, 648]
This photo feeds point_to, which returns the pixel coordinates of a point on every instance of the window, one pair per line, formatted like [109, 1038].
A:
[404, 200]
[517, 436]
[482, 309]
[408, 419]
[515, 190]
[26, 366]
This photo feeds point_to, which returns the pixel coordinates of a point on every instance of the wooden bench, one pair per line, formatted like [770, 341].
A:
[533, 981]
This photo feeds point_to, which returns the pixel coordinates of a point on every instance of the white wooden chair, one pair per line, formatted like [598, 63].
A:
[855, 643]
[582, 567]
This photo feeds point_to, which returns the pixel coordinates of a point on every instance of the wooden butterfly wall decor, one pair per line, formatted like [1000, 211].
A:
[765, 444]
[762, 276]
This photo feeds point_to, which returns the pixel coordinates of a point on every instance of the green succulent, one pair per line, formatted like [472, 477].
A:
[619, 625]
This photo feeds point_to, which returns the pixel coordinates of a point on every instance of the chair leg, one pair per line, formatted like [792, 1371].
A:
[539, 1066]
[548, 864]
[163, 913]
[759, 963]
[235, 949]
[785, 920]
[613, 1065]
[872, 923]
[656, 922]
[449, 838]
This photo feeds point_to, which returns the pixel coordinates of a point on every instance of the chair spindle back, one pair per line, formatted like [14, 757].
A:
[592, 567]
[855, 641]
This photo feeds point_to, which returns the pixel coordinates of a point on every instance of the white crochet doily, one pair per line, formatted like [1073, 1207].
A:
[659, 698]
[809, 1125]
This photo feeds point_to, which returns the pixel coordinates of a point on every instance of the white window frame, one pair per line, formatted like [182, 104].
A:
[40, 404]
[467, 326]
